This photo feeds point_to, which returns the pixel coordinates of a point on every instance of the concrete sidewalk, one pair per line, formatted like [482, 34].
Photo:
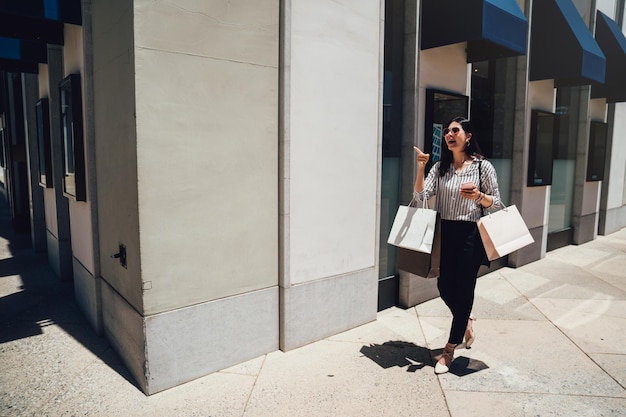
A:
[550, 342]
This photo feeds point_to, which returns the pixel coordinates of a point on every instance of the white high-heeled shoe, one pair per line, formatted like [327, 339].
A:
[443, 364]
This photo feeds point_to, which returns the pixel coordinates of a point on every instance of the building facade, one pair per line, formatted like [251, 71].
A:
[218, 179]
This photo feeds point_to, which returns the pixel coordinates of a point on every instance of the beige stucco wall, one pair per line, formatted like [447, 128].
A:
[444, 68]
[206, 76]
[80, 211]
[597, 109]
[332, 82]
[48, 193]
[73, 61]
[116, 155]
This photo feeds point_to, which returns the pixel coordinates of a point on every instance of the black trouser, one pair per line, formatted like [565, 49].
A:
[462, 253]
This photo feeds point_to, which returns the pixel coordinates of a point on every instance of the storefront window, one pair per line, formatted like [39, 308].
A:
[562, 192]
[72, 134]
[43, 143]
[492, 113]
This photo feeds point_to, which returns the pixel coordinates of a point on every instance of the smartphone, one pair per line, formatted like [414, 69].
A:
[467, 186]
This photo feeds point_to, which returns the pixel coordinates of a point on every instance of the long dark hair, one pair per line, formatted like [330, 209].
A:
[472, 148]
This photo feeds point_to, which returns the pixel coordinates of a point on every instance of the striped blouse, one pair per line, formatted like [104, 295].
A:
[450, 204]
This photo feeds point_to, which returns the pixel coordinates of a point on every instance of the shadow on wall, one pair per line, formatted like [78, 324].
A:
[32, 298]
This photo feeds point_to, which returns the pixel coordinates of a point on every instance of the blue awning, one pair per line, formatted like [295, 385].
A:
[562, 47]
[23, 27]
[22, 56]
[66, 11]
[27, 27]
[24, 51]
[613, 43]
[491, 28]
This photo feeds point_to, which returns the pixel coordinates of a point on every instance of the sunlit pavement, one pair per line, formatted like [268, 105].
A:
[550, 341]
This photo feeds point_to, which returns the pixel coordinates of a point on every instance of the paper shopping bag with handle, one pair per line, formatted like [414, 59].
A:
[503, 232]
[419, 263]
[413, 228]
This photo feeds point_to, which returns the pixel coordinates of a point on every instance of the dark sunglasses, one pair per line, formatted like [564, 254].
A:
[454, 130]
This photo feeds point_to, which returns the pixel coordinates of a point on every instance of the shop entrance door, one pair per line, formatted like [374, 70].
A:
[560, 231]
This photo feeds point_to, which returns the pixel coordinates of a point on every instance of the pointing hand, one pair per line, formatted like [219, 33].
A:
[422, 158]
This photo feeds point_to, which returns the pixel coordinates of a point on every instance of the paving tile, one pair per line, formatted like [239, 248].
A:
[596, 326]
[251, 367]
[436, 330]
[580, 256]
[100, 391]
[612, 240]
[332, 378]
[496, 298]
[494, 404]
[612, 364]
[9, 284]
[391, 324]
[554, 279]
[613, 271]
[433, 308]
[525, 356]
[35, 368]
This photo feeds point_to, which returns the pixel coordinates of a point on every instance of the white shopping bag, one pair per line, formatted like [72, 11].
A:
[413, 228]
[503, 232]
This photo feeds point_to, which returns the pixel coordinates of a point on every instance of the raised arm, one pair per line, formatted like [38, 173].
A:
[422, 158]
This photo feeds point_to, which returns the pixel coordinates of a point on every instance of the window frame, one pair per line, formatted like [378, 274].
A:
[440, 107]
[547, 152]
[596, 154]
[71, 112]
[42, 111]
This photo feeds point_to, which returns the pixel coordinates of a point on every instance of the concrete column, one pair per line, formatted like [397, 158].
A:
[331, 58]
[37, 209]
[413, 289]
[604, 197]
[529, 201]
[87, 277]
[586, 194]
[410, 105]
[187, 153]
[59, 246]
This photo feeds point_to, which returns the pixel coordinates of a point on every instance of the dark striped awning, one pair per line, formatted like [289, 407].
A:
[491, 28]
[28, 26]
[613, 43]
[562, 47]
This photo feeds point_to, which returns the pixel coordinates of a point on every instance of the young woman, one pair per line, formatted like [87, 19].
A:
[465, 183]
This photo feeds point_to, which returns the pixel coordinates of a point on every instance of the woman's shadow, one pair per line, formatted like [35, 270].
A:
[400, 353]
